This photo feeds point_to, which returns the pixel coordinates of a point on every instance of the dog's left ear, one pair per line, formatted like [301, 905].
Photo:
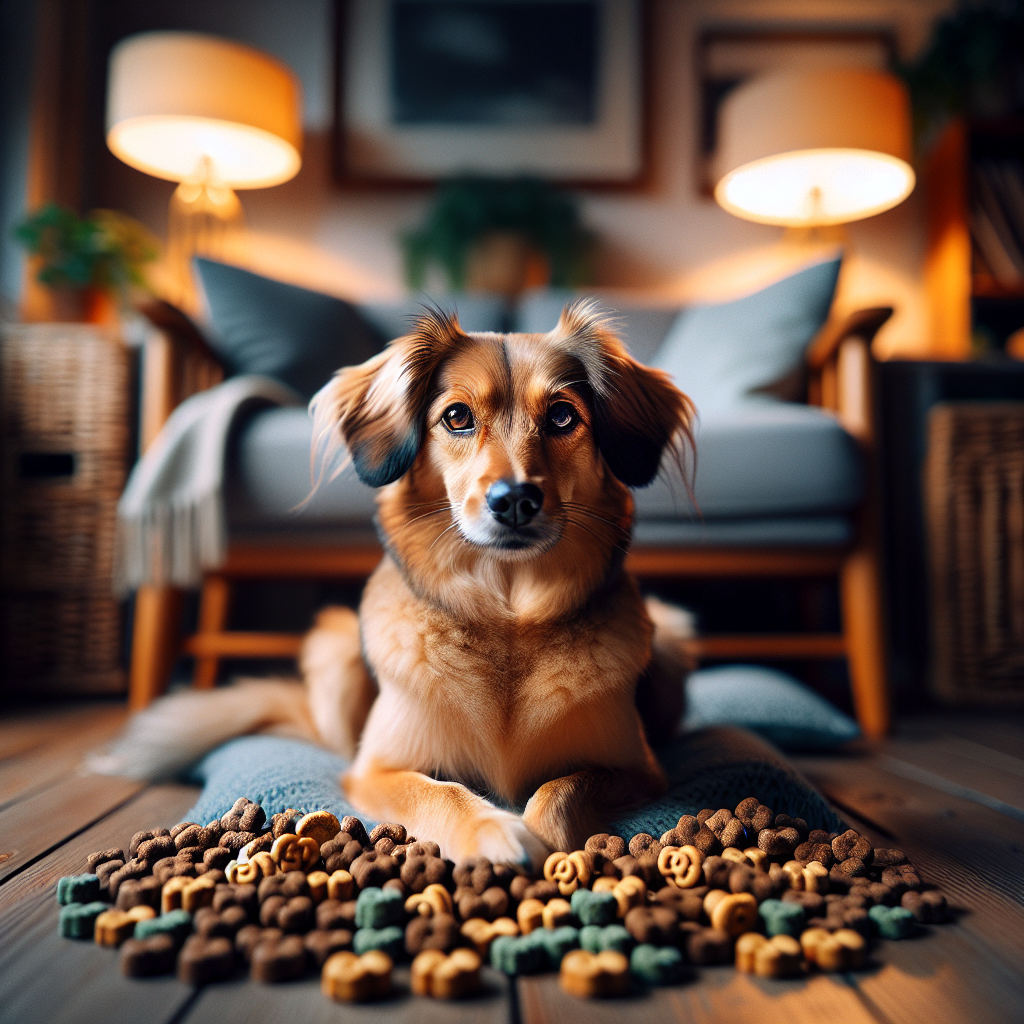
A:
[378, 407]
[638, 412]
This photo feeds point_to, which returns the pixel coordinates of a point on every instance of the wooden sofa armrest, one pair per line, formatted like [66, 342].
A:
[839, 367]
[176, 363]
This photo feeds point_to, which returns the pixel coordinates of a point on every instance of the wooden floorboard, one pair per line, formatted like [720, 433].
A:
[57, 748]
[924, 790]
[975, 855]
[715, 994]
[45, 978]
[41, 822]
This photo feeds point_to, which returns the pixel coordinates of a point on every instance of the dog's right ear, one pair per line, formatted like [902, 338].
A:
[378, 407]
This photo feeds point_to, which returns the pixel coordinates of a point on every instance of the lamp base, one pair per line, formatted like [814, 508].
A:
[205, 219]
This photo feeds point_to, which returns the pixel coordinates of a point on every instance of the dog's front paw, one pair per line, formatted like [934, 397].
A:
[500, 836]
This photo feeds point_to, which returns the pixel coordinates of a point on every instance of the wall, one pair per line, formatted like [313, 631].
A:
[668, 239]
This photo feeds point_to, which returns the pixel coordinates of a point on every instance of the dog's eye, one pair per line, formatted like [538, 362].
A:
[562, 417]
[458, 418]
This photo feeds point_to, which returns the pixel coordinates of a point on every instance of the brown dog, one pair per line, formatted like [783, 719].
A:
[500, 647]
[502, 643]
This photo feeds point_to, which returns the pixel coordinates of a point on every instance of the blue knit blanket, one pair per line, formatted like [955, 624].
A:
[716, 767]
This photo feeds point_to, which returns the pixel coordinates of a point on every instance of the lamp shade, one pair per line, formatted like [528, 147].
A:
[178, 99]
[814, 147]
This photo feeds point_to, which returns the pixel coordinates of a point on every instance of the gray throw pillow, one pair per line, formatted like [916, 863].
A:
[297, 336]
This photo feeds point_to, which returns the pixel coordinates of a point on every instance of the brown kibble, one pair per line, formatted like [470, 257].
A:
[852, 845]
[332, 915]
[888, 858]
[339, 853]
[94, 860]
[820, 852]
[226, 923]
[684, 833]
[605, 848]
[277, 960]
[785, 821]
[644, 845]
[355, 828]
[492, 903]
[707, 842]
[389, 830]
[655, 924]
[320, 945]
[145, 958]
[373, 869]
[928, 907]
[284, 822]
[251, 935]
[755, 815]
[778, 843]
[440, 931]
[203, 960]
[705, 946]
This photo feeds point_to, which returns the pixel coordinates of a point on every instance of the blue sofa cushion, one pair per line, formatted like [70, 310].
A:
[297, 336]
[710, 768]
[762, 458]
[720, 354]
[300, 337]
[765, 460]
[770, 703]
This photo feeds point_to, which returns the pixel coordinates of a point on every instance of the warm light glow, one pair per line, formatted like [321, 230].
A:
[173, 147]
[816, 187]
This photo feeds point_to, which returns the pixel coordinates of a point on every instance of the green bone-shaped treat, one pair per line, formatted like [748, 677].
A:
[175, 923]
[594, 907]
[612, 936]
[781, 918]
[390, 940]
[520, 954]
[558, 942]
[378, 908]
[77, 889]
[891, 922]
[78, 920]
[656, 965]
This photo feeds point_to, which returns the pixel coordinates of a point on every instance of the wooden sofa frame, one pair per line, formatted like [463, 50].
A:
[177, 363]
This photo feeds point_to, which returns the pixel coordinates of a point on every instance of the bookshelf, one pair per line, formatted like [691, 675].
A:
[974, 266]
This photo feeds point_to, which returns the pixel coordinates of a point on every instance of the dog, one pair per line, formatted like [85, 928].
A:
[502, 656]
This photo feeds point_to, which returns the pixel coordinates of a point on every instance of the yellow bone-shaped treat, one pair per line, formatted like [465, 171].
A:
[681, 865]
[569, 870]
[435, 899]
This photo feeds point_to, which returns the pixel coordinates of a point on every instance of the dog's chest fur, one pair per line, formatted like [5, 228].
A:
[519, 701]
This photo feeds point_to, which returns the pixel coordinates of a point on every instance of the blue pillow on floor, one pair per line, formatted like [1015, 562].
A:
[709, 768]
[770, 703]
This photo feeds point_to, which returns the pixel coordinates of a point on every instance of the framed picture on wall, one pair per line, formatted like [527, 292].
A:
[428, 89]
[728, 56]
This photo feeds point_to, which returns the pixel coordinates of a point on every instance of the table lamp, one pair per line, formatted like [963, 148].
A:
[212, 115]
[812, 148]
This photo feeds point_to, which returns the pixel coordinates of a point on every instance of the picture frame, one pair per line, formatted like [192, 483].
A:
[433, 89]
[727, 55]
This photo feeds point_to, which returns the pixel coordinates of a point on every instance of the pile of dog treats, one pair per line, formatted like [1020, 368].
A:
[307, 891]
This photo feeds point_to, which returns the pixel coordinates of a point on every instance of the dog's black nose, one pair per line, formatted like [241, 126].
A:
[512, 503]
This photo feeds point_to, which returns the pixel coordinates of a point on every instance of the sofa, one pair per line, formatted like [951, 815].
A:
[783, 487]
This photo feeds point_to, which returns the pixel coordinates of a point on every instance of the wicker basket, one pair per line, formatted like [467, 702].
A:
[974, 488]
[65, 433]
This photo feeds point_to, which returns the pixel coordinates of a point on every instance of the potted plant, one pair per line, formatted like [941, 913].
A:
[89, 263]
[501, 235]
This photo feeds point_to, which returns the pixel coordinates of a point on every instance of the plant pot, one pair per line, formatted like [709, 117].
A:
[81, 305]
[505, 263]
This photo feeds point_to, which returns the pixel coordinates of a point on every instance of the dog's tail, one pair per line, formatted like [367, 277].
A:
[176, 731]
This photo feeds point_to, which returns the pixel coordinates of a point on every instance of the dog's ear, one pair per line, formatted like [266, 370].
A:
[378, 407]
[638, 412]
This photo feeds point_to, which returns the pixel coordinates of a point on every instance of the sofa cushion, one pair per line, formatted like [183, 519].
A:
[763, 460]
[721, 354]
[300, 337]
[297, 336]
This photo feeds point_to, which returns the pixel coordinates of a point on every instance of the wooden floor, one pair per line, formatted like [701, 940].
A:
[949, 790]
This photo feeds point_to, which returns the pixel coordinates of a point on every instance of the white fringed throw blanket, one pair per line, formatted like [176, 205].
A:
[171, 525]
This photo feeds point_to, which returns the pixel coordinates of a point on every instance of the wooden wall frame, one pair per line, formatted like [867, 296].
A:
[352, 177]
